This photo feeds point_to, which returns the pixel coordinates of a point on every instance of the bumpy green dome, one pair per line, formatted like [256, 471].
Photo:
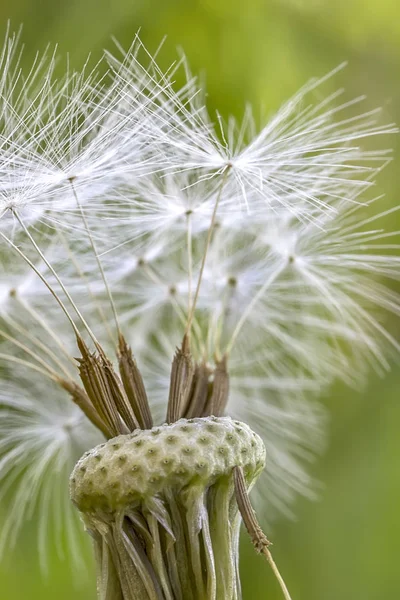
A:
[131, 468]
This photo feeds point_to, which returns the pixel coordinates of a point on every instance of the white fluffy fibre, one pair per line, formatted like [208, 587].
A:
[40, 442]
[296, 284]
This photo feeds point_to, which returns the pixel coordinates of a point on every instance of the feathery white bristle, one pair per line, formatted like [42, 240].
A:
[40, 441]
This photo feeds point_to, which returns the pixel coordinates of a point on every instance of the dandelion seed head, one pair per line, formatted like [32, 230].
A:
[128, 212]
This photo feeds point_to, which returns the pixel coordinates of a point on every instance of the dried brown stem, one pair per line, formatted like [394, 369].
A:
[220, 390]
[182, 373]
[133, 384]
[258, 537]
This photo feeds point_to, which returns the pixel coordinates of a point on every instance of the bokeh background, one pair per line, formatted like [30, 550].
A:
[345, 546]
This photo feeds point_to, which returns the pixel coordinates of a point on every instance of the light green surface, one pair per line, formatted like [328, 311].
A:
[346, 546]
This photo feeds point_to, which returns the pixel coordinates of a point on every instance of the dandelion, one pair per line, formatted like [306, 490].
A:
[173, 297]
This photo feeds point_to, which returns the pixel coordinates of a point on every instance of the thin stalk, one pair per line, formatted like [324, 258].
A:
[99, 263]
[59, 281]
[257, 536]
[252, 304]
[153, 275]
[189, 242]
[26, 363]
[203, 261]
[99, 309]
[277, 574]
[213, 319]
[30, 352]
[43, 279]
[32, 312]
[48, 351]
[217, 324]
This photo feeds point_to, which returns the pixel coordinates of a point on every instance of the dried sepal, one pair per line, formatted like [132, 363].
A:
[218, 398]
[199, 393]
[81, 399]
[96, 384]
[257, 536]
[133, 384]
[118, 395]
[182, 372]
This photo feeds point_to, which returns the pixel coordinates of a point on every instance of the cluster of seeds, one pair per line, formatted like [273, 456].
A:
[129, 468]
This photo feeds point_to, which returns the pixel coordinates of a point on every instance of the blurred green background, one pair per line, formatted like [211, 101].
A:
[346, 546]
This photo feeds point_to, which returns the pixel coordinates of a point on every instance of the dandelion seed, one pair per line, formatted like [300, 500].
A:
[307, 151]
